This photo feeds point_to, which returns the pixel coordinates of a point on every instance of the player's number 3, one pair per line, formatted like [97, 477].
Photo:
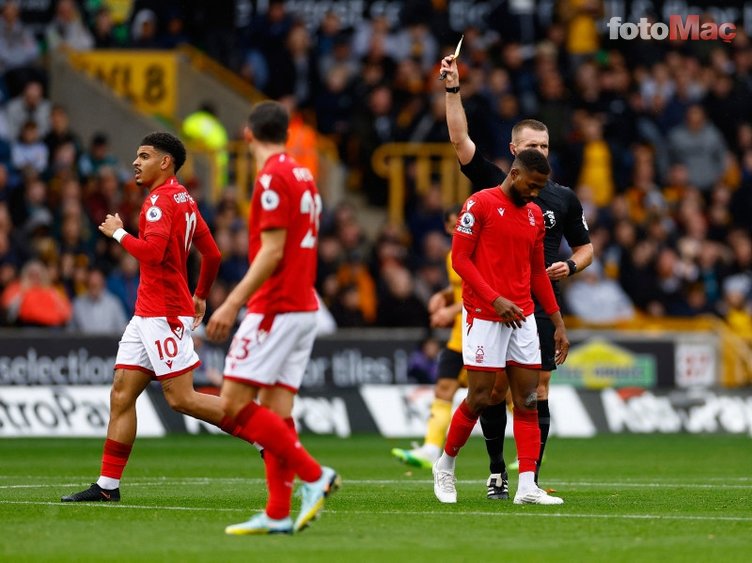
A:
[310, 205]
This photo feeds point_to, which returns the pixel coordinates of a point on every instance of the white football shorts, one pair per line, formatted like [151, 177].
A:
[158, 346]
[491, 345]
[270, 350]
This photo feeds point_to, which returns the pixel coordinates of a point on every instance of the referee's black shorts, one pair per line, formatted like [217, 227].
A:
[450, 364]
[547, 344]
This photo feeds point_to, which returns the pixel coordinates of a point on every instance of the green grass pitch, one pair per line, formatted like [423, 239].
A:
[628, 498]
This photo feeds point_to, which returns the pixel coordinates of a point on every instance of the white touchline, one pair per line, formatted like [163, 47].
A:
[402, 482]
[451, 513]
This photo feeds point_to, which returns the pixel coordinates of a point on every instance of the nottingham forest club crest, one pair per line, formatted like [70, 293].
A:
[479, 355]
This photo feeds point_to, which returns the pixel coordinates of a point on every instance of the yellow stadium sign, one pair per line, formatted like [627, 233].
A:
[599, 364]
[147, 79]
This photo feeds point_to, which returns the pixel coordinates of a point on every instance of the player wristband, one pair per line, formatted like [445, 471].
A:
[453, 90]
[572, 267]
[119, 234]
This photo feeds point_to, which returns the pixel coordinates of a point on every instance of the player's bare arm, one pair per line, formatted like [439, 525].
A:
[199, 309]
[582, 256]
[441, 299]
[444, 316]
[262, 267]
[560, 338]
[455, 113]
[210, 260]
[110, 224]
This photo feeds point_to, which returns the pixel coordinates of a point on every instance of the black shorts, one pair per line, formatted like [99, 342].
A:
[450, 364]
[547, 343]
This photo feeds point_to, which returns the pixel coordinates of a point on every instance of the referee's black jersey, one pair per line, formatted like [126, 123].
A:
[562, 211]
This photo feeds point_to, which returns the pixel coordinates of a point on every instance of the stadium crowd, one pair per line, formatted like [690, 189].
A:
[654, 136]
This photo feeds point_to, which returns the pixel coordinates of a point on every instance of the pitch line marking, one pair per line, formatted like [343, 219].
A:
[406, 481]
[452, 513]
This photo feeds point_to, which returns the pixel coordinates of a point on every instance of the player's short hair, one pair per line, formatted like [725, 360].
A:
[533, 124]
[167, 143]
[533, 161]
[269, 121]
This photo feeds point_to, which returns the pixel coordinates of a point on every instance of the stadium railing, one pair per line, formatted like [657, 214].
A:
[433, 163]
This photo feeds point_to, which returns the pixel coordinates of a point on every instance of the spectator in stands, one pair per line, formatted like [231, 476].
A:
[422, 364]
[235, 257]
[700, 147]
[12, 251]
[596, 299]
[28, 201]
[123, 282]
[67, 30]
[30, 105]
[175, 34]
[19, 51]
[352, 272]
[103, 30]
[428, 217]
[398, 305]
[294, 69]
[33, 301]
[29, 151]
[302, 139]
[593, 155]
[737, 304]
[430, 124]
[97, 311]
[144, 30]
[414, 41]
[346, 307]
[372, 128]
[96, 156]
[60, 132]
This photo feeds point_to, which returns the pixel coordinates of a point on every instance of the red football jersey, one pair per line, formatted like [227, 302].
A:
[285, 197]
[170, 213]
[507, 247]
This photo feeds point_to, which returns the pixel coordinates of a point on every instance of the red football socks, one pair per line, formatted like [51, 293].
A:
[114, 458]
[526, 438]
[279, 481]
[227, 424]
[463, 422]
[260, 425]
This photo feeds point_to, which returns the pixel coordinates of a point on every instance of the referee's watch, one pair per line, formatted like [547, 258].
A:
[572, 267]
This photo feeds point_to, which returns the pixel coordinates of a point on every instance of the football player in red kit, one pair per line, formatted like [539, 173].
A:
[157, 342]
[270, 350]
[497, 250]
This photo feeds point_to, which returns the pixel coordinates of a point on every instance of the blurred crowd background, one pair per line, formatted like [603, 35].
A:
[655, 137]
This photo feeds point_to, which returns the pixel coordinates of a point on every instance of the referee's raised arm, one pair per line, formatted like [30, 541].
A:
[455, 113]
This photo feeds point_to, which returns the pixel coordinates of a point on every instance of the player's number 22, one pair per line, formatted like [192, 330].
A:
[310, 205]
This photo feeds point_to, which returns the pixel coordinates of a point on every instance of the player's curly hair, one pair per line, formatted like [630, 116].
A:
[167, 143]
[533, 161]
[269, 122]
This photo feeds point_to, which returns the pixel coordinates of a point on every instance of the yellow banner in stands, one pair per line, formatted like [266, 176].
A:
[147, 79]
